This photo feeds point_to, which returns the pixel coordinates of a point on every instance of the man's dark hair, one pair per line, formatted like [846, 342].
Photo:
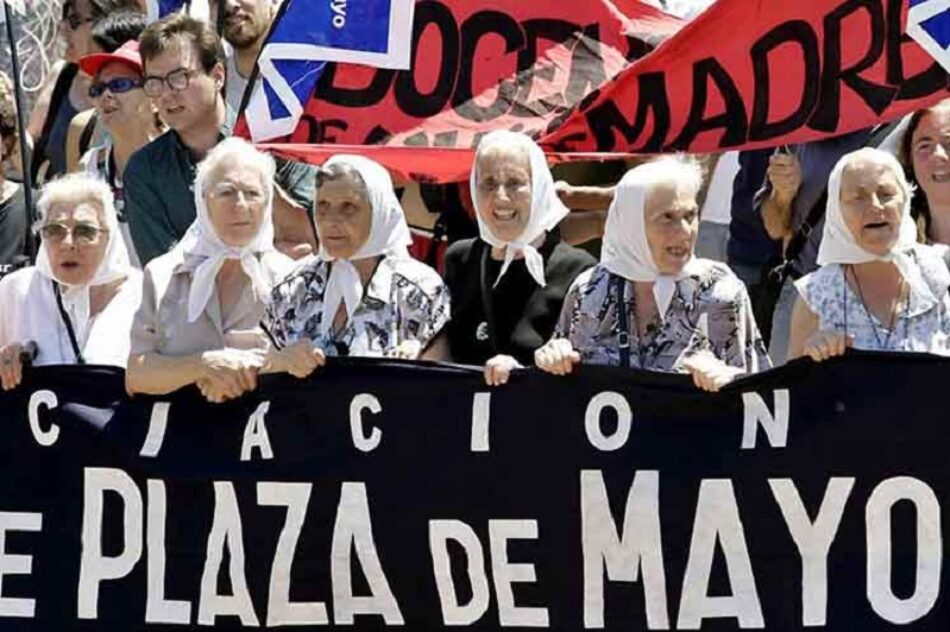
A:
[118, 28]
[100, 9]
[156, 37]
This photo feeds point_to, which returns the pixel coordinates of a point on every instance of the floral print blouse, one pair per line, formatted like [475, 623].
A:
[710, 312]
[405, 300]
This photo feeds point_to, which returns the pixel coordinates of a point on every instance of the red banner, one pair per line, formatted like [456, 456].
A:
[758, 73]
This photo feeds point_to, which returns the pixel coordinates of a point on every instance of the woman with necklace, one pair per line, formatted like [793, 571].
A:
[877, 289]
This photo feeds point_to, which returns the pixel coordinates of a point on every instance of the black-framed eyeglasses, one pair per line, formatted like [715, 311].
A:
[83, 233]
[176, 80]
[118, 85]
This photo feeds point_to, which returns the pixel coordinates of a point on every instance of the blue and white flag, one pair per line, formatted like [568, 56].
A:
[157, 9]
[310, 33]
[928, 22]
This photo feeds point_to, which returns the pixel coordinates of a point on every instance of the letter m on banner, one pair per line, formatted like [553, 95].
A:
[309, 33]
[928, 22]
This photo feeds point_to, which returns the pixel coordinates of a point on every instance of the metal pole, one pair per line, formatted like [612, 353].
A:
[21, 125]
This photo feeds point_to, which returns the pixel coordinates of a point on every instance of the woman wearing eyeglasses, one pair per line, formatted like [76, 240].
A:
[82, 293]
[126, 112]
[202, 302]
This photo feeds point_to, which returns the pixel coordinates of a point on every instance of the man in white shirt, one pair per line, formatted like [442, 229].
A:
[246, 24]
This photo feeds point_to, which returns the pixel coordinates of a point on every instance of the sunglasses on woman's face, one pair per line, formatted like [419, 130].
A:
[115, 86]
[84, 234]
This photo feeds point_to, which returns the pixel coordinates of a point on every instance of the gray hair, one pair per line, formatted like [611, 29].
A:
[885, 158]
[78, 187]
[244, 154]
[678, 169]
[341, 171]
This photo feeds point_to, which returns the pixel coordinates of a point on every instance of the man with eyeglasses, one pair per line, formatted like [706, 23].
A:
[183, 63]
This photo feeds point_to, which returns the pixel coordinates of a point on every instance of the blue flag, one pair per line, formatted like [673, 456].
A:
[928, 22]
[305, 36]
[157, 9]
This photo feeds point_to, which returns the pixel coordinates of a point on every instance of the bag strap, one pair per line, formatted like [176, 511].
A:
[623, 336]
[85, 137]
[69, 324]
[486, 298]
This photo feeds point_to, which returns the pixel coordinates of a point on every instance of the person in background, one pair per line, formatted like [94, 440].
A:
[127, 113]
[508, 284]
[876, 289]
[66, 92]
[715, 215]
[363, 295]
[925, 154]
[245, 25]
[202, 303]
[77, 303]
[14, 216]
[651, 304]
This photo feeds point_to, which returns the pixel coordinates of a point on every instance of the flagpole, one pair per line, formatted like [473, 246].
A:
[21, 128]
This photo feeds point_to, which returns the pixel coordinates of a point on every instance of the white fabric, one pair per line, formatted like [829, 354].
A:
[115, 265]
[718, 205]
[235, 83]
[90, 162]
[838, 245]
[207, 253]
[625, 250]
[547, 210]
[388, 236]
[30, 314]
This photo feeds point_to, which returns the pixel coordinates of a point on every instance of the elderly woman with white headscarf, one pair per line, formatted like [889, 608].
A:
[679, 313]
[508, 285]
[203, 301]
[76, 304]
[363, 295]
[876, 289]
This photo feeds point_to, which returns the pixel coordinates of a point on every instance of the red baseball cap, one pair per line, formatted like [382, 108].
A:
[127, 54]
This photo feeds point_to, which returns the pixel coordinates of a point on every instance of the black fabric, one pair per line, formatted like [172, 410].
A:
[60, 93]
[13, 224]
[85, 137]
[524, 313]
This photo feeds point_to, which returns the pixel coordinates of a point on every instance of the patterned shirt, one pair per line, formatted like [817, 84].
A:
[404, 300]
[922, 322]
[710, 311]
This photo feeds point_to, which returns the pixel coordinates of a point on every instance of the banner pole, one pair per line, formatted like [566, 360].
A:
[21, 128]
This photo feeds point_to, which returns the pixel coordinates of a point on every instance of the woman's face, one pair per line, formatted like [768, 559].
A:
[236, 198]
[930, 155]
[75, 238]
[871, 203]
[671, 218]
[77, 29]
[129, 110]
[503, 183]
[343, 216]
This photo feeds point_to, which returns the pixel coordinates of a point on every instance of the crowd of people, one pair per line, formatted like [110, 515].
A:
[187, 256]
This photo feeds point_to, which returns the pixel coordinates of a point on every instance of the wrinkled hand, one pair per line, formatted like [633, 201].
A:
[11, 369]
[406, 350]
[709, 372]
[823, 345]
[229, 373]
[498, 369]
[785, 175]
[557, 357]
[299, 359]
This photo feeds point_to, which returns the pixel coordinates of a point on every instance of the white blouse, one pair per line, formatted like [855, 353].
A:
[29, 313]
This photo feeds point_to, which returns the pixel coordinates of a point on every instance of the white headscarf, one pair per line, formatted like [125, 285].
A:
[625, 250]
[546, 208]
[389, 236]
[114, 266]
[206, 253]
[838, 245]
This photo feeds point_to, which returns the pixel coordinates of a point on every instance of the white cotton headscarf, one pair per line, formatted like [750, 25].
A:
[547, 210]
[114, 266]
[625, 250]
[389, 236]
[205, 253]
[838, 245]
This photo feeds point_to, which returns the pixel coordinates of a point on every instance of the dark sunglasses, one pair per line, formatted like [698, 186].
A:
[115, 86]
[85, 234]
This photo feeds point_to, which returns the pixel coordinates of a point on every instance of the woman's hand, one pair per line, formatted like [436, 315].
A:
[299, 359]
[406, 350]
[823, 345]
[229, 373]
[11, 368]
[557, 357]
[709, 372]
[498, 369]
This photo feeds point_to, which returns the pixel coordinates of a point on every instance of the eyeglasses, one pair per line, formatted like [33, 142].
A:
[74, 21]
[489, 186]
[118, 85]
[176, 80]
[230, 193]
[83, 234]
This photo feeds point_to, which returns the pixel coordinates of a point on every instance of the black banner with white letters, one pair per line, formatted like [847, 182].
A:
[399, 495]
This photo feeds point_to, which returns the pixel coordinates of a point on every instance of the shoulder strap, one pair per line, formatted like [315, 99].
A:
[60, 92]
[77, 352]
[623, 336]
[85, 137]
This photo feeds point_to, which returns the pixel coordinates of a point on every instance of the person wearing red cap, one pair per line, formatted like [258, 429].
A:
[125, 111]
